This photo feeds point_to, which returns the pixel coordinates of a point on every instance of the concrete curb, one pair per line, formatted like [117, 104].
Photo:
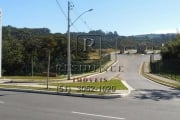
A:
[157, 80]
[109, 96]
[160, 81]
[28, 90]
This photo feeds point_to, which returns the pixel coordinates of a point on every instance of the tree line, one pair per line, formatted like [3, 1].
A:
[171, 50]
[24, 48]
[28, 51]
[170, 62]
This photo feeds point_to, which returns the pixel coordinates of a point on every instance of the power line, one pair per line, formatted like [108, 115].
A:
[81, 19]
[63, 12]
[87, 26]
[61, 9]
[72, 6]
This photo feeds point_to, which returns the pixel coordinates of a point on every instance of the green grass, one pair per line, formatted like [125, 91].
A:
[158, 80]
[95, 54]
[115, 82]
[31, 77]
[173, 77]
[99, 87]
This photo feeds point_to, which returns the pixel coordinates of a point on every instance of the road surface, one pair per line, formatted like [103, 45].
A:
[148, 101]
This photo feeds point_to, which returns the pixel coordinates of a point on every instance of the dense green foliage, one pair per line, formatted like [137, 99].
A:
[26, 51]
[170, 64]
[172, 49]
[25, 47]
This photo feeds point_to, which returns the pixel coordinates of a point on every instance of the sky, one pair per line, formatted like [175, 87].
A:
[127, 17]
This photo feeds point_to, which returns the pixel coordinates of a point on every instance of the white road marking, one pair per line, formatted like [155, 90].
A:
[1, 102]
[95, 115]
[127, 85]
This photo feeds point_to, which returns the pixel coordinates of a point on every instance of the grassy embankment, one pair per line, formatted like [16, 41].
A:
[171, 76]
[160, 81]
[92, 55]
[116, 83]
[100, 88]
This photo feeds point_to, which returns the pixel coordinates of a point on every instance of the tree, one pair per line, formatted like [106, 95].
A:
[13, 57]
[172, 49]
[48, 43]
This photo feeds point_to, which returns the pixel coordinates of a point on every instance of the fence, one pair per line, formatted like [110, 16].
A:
[169, 68]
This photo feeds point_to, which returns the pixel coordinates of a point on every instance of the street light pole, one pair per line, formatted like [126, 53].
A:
[69, 41]
[0, 43]
[68, 45]
[81, 15]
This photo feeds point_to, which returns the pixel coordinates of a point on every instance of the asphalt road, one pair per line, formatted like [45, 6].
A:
[148, 101]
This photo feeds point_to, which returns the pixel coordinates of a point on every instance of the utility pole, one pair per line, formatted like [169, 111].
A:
[116, 51]
[69, 45]
[0, 43]
[69, 39]
[100, 47]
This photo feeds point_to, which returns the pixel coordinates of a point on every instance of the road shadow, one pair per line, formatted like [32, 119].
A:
[154, 94]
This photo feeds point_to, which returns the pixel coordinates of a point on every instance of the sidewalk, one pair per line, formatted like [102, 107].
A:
[156, 78]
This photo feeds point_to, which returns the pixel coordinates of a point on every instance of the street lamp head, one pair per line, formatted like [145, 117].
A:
[90, 10]
[80, 16]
